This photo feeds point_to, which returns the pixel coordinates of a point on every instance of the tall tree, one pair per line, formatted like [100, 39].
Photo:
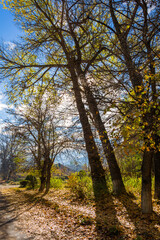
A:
[131, 24]
[64, 42]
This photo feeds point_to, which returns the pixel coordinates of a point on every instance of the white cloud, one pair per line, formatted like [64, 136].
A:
[3, 106]
[10, 45]
[1, 96]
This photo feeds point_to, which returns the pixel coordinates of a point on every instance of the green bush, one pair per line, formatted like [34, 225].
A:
[133, 184]
[32, 181]
[24, 183]
[29, 182]
[56, 183]
[80, 185]
[82, 173]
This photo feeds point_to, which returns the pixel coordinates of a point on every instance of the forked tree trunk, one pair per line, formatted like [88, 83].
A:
[146, 196]
[97, 171]
[118, 186]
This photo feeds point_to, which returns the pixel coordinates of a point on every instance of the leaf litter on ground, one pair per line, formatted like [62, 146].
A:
[57, 216]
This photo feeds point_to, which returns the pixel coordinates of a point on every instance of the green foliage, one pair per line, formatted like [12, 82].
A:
[56, 183]
[32, 181]
[82, 173]
[29, 182]
[80, 185]
[131, 165]
[133, 184]
[24, 183]
[109, 182]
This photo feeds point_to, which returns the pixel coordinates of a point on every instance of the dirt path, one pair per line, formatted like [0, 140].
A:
[8, 230]
[57, 217]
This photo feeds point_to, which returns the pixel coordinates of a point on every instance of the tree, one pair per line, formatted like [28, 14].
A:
[136, 31]
[64, 43]
[37, 126]
[9, 150]
[60, 44]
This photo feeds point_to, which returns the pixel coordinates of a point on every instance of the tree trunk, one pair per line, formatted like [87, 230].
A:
[157, 174]
[97, 171]
[48, 177]
[156, 159]
[43, 177]
[42, 184]
[146, 197]
[118, 186]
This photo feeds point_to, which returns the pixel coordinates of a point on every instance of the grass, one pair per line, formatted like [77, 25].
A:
[57, 183]
[133, 184]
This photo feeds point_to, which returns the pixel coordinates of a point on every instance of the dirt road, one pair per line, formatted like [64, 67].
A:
[8, 230]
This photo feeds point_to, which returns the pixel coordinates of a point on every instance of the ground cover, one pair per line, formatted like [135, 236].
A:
[58, 215]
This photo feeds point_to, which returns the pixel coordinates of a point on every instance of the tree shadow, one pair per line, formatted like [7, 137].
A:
[7, 227]
[107, 224]
[144, 223]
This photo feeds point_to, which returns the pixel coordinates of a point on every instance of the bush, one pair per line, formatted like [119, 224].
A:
[82, 173]
[32, 181]
[29, 182]
[24, 183]
[56, 183]
[80, 185]
[133, 184]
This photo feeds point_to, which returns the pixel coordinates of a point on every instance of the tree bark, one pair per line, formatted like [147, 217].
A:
[146, 196]
[97, 171]
[118, 186]
[43, 177]
[157, 175]
[48, 178]
[156, 158]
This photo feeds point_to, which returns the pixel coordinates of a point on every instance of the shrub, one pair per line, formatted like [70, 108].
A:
[82, 173]
[24, 183]
[32, 181]
[29, 182]
[56, 183]
[80, 185]
[133, 184]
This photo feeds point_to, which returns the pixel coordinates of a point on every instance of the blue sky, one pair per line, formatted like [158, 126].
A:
[9, 33]
[8, 29]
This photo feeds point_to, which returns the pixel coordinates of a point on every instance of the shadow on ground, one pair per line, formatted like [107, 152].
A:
[8, 230]
[144, 223]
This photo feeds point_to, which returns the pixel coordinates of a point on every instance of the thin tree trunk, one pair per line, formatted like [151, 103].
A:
[97, 171]
[118, 186]
[146, 196]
